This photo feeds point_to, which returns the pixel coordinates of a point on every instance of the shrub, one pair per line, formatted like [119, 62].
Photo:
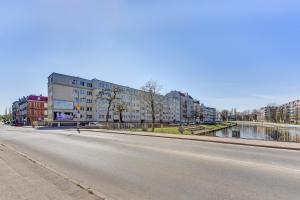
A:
[181, 129]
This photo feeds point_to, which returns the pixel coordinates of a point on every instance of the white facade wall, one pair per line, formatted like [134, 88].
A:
[76, 91]
[209, 114]
[65, 93]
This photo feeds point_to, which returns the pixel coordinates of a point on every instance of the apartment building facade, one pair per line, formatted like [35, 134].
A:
[68, 93]
[30, 109]
[16, 112]
[186, 107]
[209, 114]
[285, 113]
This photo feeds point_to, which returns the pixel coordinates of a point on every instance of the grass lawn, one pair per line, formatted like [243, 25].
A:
[171, 130]
[216, 126]
[168, 130]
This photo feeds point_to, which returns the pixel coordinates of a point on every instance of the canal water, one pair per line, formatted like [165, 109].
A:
[260, 132]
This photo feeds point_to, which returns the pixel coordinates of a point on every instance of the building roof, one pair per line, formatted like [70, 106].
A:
[37, 98]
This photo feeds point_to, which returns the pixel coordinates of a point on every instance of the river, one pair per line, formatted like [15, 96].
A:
[257, 131]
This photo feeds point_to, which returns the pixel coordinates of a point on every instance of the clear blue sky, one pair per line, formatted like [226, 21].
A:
[226, 53]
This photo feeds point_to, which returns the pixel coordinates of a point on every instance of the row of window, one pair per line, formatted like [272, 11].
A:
[82, 83]
[35, 112]
[83, 108]
[36, 104]
[82, 92]
[88, 116]
[123, 89]
[82, 100]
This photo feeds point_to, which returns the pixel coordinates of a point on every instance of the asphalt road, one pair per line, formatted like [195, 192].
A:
[127, 167]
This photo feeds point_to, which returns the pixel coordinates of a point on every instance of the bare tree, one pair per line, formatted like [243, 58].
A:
[297, 115]
[271, 111]
[150, 97]
[224, 115]
[121, 107]
[110, 96]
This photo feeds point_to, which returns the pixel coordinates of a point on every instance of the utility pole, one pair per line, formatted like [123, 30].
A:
[78, 112]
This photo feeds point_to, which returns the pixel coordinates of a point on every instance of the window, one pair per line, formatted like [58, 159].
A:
[108, 85]
[74, 82]
[89, 108]
[82, 92]
[101, 84]
[89, 93]
[75, 91]
[75, 99]
[82, 83]
[89, 101]
[90, 85]
[89, 116]
[82, 108]
[82, 100]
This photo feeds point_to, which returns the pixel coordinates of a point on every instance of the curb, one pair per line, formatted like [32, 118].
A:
[199, 139]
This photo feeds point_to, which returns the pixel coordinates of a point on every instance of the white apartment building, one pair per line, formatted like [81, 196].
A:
[68, 93]
[65, 93]
[209, 114]
[186, 107]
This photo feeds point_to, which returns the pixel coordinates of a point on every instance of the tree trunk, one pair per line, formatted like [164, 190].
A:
[107, 113]
[153, 122]
[121, 117]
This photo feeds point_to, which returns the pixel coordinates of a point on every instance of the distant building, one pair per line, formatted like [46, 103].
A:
[30, 109]
[285, 113]
[66, 93]
[209, 114]
[289, 112]
[268, 114]
[16, 112]
[185, 104]
[197, 111]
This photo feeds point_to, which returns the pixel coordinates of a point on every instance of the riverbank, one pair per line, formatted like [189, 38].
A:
[267, 124]
[216, 127]
[201, 129]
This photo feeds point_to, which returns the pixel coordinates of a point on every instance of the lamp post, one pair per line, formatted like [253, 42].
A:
[78, 112]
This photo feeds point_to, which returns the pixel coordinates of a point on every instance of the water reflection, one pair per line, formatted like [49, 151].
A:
[258, 132]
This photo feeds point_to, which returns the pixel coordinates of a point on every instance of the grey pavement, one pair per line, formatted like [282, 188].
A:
[24, 179]
[236, 141]
[131, 167]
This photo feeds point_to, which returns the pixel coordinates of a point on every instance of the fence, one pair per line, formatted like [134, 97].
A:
[126, 126]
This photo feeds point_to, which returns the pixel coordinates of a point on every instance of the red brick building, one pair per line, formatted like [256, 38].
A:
[32, 108]
[36, 108]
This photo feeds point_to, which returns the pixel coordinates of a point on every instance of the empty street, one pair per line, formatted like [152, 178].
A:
[124, 167]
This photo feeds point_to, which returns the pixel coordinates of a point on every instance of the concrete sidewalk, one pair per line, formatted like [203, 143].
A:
[235, 141]
[25, 179]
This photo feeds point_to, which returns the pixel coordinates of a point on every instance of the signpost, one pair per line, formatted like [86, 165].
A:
[78, 117]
